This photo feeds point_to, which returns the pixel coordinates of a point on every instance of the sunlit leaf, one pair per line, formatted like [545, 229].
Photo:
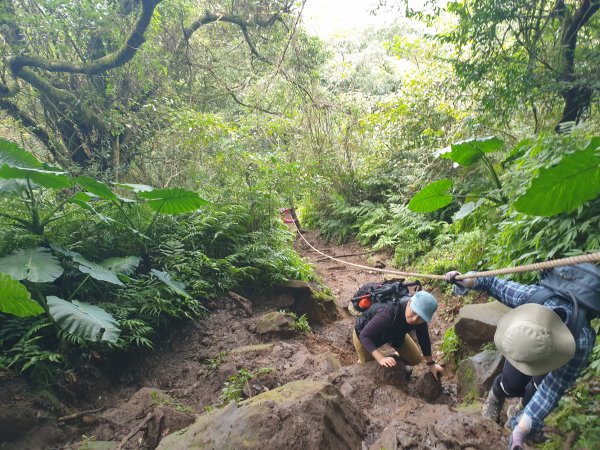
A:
[46, 178]
[173, 201]
[469, 152]
[565, 186]
[135, 187]
[466, 209]
[125, 265]
[13, 155]
[432, 197]
[84, 320]
[15, 298]
[35, 264]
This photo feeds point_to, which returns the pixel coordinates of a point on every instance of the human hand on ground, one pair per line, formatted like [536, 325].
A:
[436, 370]
[387, 361]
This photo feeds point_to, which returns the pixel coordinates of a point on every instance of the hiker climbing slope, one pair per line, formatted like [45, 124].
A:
[384, 323]
[546, 341]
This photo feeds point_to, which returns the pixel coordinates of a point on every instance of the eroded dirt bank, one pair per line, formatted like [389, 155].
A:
[359, 406]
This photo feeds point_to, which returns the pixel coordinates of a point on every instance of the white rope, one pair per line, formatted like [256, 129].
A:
[590, 257]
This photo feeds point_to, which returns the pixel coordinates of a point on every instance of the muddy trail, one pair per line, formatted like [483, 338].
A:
[301, 390]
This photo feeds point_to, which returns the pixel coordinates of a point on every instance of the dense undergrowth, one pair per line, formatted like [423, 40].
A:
[146, 270]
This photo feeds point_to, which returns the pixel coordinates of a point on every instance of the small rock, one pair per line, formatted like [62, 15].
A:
[428, 387]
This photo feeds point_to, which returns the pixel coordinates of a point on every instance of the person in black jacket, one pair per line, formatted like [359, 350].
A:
[389, 323]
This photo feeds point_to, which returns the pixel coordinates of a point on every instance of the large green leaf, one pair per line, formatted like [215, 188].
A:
[173, 201]
[125, 265]
[432, 197]
[35, 264]
[46, 178]
[13, 155]
[96, 271]
[81, 199]
[166, 278]
[96, 187]
[469, 152]
[564, 187]
[84, 320]
[15, 298]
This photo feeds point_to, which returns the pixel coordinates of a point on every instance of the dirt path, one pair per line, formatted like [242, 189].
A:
[197, 367]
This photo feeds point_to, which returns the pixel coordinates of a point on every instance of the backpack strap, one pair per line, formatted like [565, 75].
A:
[575, 324]
[540, 296]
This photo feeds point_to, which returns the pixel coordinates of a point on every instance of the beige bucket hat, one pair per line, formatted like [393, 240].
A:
[534, 339]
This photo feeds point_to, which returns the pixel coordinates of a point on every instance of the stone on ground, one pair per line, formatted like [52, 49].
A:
[476, 373]
[476, 324]
[298, 415]
[275, 322]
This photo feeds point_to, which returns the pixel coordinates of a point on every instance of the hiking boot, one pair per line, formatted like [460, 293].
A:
[539, 437]
[492, 407]
[511, 412]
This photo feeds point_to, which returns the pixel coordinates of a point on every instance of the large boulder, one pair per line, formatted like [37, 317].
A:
[301, 298]
[476, 373]
[476, 324]
[299, 415]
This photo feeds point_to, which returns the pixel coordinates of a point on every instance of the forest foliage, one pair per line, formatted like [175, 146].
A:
[147, 146]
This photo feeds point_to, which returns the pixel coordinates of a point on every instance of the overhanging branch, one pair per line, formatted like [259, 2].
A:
[243, 23]
[100, 65]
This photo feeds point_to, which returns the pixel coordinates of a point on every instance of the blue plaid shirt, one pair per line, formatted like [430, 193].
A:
[555, 383]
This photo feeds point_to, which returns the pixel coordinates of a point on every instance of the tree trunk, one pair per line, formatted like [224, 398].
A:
[577, 102]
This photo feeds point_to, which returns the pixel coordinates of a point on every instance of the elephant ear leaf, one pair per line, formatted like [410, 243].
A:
[469, 152]
[37, 265]
[125, 265]
[47, 178]
[94, 270]
[135, 187]
[173, 201]
[97, 271]
[565, 186]
[176, 286]
[96, 187]
[15, 298]
[13, 155]
[432, 197]
[84, 320]
[466, 209]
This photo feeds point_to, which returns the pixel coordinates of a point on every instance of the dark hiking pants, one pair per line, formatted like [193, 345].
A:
[514, 383]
